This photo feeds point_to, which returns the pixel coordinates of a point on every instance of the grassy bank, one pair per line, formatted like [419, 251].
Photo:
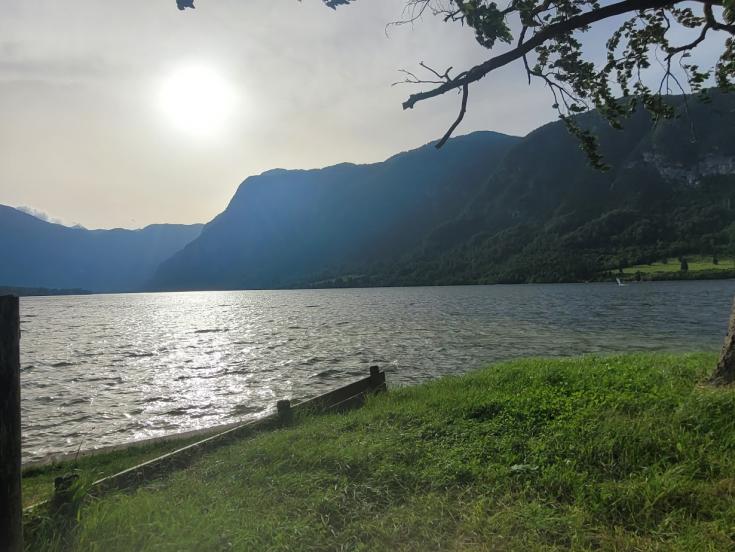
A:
[621, 453]
[700, 268]
[697, 263]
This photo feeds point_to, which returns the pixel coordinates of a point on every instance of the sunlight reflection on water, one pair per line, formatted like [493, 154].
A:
[106, 369]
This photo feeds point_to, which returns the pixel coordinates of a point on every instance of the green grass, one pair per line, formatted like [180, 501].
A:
[38, 482]
[612, 453]
[696, 264]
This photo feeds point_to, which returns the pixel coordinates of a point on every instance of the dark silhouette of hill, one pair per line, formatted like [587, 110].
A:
[39, 254]
[546, 215]
[285, 226]
[489, 208]
[486, 208]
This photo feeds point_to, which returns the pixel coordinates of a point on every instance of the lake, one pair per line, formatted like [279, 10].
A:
[106, 369]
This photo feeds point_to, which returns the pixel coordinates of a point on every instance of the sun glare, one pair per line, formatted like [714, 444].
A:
[197, 100]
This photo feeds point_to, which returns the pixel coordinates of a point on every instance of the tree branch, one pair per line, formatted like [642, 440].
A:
[462, 111]
[713, 23]
[696, 42]
[563, 27]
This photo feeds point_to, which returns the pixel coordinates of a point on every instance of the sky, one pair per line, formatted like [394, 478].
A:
[92, 97]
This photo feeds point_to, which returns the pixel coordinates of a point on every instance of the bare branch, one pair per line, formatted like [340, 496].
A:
[462, 111]
[521, 38]
[671, 53]
[444, 77]
[716, 25]
[411, 78]
[411, 13]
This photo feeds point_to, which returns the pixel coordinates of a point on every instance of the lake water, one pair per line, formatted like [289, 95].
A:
[106, 369]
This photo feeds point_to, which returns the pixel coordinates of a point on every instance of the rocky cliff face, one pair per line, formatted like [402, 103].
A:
[690, 174]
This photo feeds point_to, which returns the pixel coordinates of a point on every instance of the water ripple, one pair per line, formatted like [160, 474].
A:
[142, 365]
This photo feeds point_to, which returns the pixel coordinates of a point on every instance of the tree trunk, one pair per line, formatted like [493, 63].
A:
[725, 371]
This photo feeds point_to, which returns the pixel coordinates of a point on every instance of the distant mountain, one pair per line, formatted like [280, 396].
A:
[40, 292]
[286, 226]
[39, 254]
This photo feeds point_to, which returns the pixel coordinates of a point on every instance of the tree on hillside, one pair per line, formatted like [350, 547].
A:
[643, 63]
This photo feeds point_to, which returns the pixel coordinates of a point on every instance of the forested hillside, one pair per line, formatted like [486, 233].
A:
[285, 226]
[546, 216]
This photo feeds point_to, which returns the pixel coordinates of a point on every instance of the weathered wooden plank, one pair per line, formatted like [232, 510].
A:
[338, 400]
[179, 458]
[203, 433]
[11, 513]
[351, 403]
[356, 401]
[66, 457]
[365, 385]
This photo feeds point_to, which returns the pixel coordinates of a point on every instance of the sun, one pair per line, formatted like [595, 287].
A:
[197, 100]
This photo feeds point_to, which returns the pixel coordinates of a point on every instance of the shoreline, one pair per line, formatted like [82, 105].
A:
[54, 458]
[607, 279]
[597, 451]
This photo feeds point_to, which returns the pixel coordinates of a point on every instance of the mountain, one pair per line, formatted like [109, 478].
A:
[40, 292]
[545, 215]
[286, 226]
[39, 254]
[488, 208]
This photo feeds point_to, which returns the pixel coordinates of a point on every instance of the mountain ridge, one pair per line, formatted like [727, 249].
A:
[539, 212]
[43, 254]
[318, 223]
[486, 208]
[545, 215]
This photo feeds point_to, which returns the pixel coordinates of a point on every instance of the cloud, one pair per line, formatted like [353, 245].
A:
[18, 63]
[41, 215]
[80, 87]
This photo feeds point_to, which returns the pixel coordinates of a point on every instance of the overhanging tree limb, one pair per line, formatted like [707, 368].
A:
[462, 111]
[557, 29]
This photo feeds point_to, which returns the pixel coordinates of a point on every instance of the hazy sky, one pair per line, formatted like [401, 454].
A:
[86, 139]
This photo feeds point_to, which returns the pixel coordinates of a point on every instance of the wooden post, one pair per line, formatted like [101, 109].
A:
[11, 505]
[377, 379]
[374, 373]
[284, 412]
[61, 503]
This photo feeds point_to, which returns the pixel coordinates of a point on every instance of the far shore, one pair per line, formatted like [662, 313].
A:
[609, 277]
